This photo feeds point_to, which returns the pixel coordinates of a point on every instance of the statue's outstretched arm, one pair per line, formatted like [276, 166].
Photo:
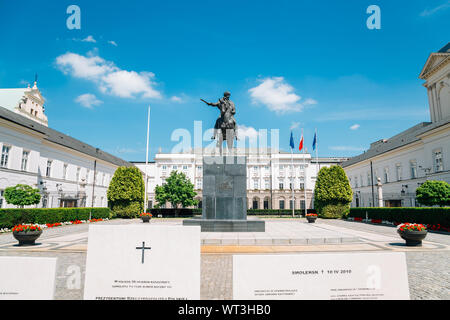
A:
[210, 103]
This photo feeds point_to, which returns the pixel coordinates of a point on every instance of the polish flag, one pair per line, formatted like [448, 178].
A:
[301, 143]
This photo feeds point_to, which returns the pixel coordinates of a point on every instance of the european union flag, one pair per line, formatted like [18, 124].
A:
[292, 141]
[315, 141]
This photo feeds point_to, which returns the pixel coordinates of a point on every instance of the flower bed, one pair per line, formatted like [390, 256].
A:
[26, 228]
[146, 214]
[432, 227]
[51, 225]
[411, 226]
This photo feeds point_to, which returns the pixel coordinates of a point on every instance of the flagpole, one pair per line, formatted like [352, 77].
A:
[304, 170]
[292, 182]
[146, 162]
[317, 164]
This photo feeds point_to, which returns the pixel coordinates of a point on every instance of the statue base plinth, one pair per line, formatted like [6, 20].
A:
[210, 225]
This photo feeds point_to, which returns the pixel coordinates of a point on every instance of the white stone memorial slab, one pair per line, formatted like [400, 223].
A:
[143, 262]
[26, 278]
[340, 276]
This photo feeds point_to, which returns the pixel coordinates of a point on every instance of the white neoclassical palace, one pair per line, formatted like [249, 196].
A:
[68, 172]
[270, 176]
[407, 160]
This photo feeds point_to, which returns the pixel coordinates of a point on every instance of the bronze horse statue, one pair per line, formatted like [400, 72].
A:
[225, 128]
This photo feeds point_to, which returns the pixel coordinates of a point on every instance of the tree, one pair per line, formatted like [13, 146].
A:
[332, 194]
[22, 195]
[433, 193]
[178, 190]
[126, 192]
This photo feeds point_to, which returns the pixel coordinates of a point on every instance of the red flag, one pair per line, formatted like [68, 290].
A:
[301, 144]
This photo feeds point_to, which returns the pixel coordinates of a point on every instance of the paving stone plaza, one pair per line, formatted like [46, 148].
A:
[428, 272]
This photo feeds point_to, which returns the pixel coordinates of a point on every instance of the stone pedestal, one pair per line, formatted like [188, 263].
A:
[225, 197]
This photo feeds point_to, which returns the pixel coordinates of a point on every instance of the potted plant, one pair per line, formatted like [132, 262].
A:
[26, 234]
[412, 233]
[311, 217]
[146, 216]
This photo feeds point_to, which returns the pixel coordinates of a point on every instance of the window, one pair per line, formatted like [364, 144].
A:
[281, 167]
[361, 179]
[255, 169]
[65, 171]
[24, 165]
[199, 184]
[87, 175]
[302, 186]
[266, 168]
[255, 184]
[1, 198]
[398, 170]
[369, 180]
[266, 204]
[291, 186]
[356, 182]
[438, 161]
[49, 168]
[281, 185]
[302, 204]
[185, 167]
[267, 184]
[199, 167]
[281, 204]
[386, 175]
[78, 174]
[413, 168]
[5, 156]
[174, 167]
[164, 167]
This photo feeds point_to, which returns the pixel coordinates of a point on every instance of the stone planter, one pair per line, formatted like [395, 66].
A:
[413, 238]
[311, 219]
[27, 238]
[146, 219]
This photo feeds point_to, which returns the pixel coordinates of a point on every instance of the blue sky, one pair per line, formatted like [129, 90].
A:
[288, 64]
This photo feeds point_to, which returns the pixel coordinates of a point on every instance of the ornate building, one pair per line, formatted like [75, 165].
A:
[407, 160]
[68, 172]
[270, 176]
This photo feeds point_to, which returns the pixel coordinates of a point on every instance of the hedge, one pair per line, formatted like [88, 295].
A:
[11, 217]
[277, 212]
[167, 213]
[425, 216]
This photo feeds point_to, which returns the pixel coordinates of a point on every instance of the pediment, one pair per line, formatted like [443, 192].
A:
[36, 94]
[433, 62]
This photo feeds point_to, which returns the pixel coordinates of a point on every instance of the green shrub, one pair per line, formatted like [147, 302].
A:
[126, 192]
[332, 193]
[126, 210]
[277, 212]
[11, 217]
[431, 216]
[434, 193]
[22, 195]
[334, 211]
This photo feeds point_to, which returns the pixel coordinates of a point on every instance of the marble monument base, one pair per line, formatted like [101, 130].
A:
[212, 225]
[225, 197]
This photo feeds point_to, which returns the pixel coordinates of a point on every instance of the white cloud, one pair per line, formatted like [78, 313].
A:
[89, 39]
[176, 99]
[355, 127]
[250, 132]
[294, 125]
[346, 148]
[109, 78]
[88, 100]
[111, 42]
[278, 96]
[429, 12]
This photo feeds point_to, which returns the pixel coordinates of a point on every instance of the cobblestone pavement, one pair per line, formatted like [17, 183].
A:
[428, 269]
